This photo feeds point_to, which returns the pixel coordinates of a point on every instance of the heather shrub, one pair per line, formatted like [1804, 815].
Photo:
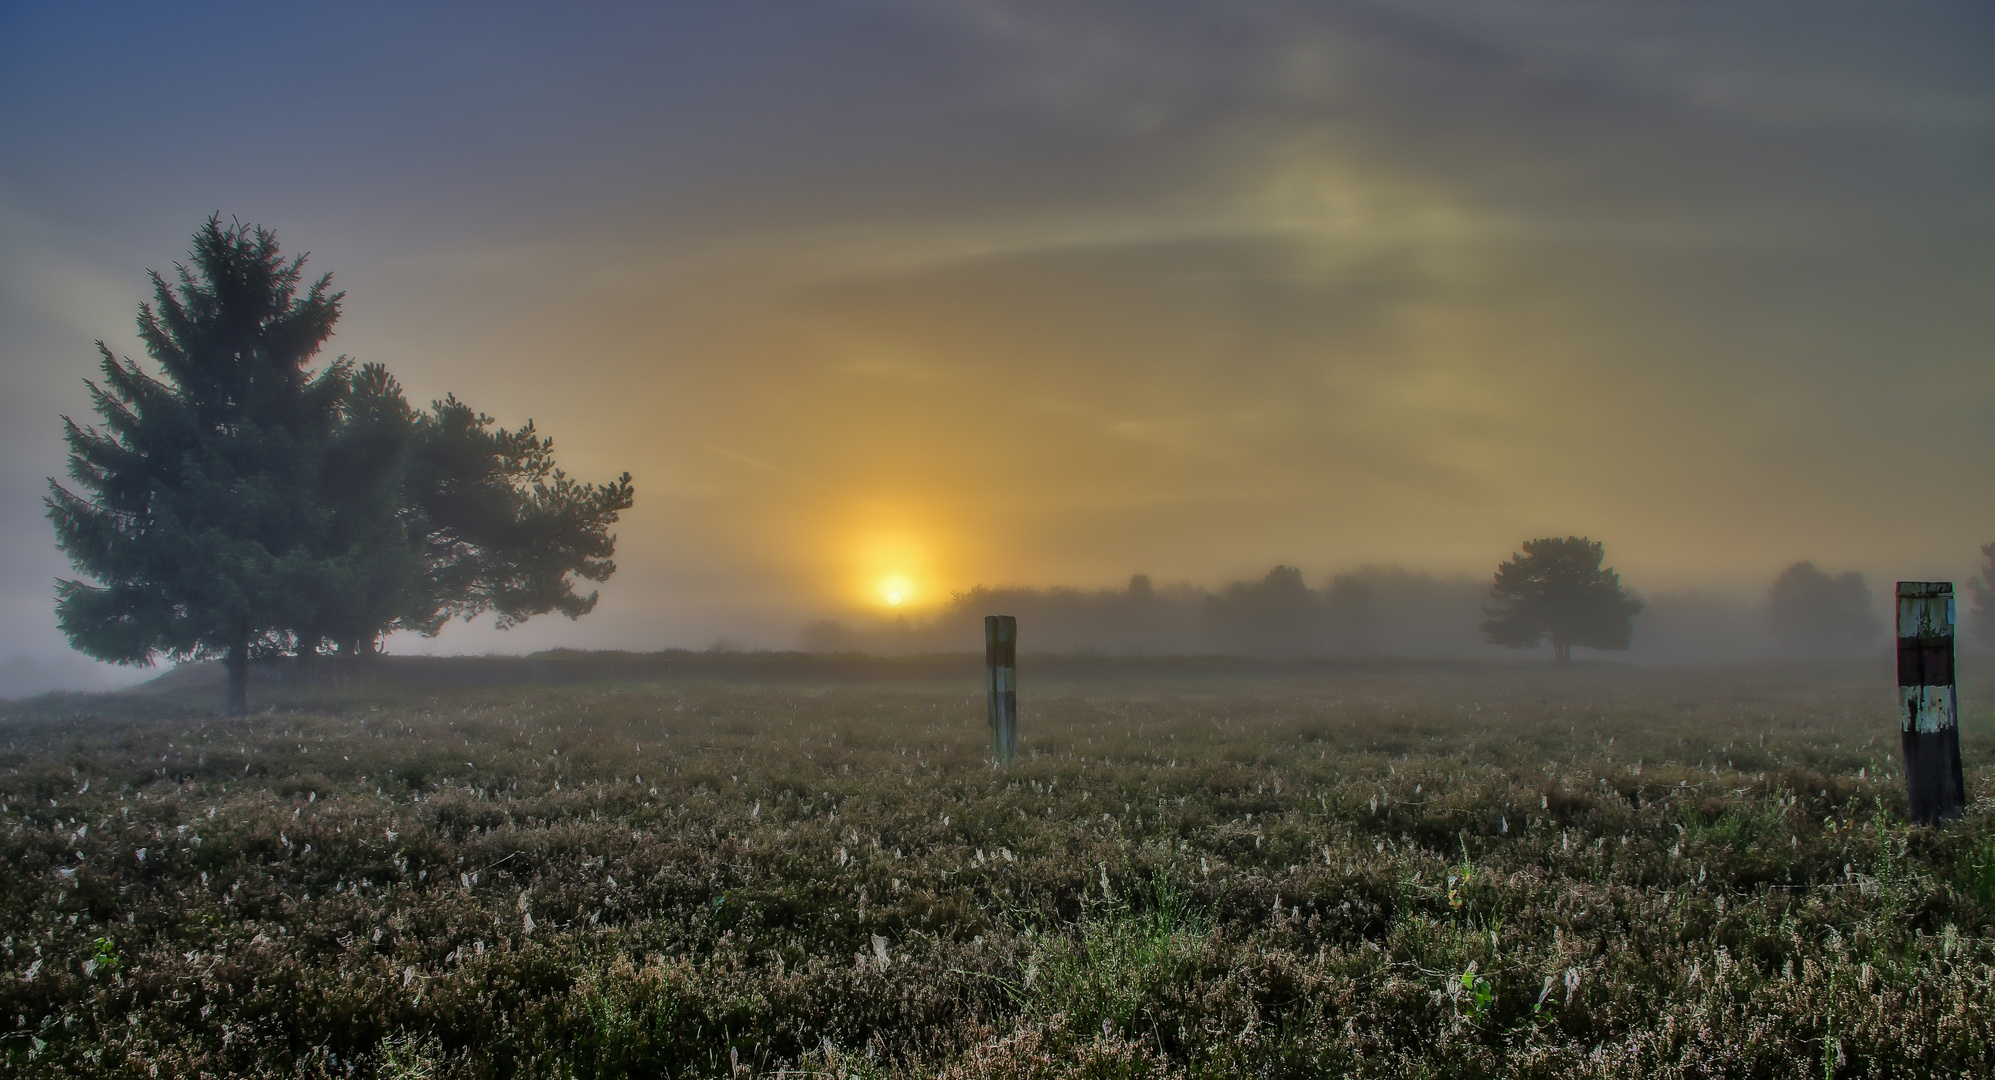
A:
[1122, 965]
[1391, 870]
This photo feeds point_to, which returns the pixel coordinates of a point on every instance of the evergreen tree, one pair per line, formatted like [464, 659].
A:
[241, 506]
[199, 517]
[1557, 591]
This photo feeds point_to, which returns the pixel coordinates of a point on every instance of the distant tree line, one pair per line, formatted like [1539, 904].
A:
[232, 502]
[1811, 612]
[1808, 611]
[1369, 611]
[1553, 593]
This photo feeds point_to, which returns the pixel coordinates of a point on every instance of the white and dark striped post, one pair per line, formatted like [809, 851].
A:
[1929, 706]
[1001, 660]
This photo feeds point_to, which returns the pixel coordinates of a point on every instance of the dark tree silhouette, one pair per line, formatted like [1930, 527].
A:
[203, 519]
[482, 521]
[1809, 611]
[1350, 614]
[368, 523]
[1557, 591]
[239, 505]
[1275, 616]
[1981, 618]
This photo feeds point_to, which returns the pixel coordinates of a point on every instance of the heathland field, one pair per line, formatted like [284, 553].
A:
[1201, 870]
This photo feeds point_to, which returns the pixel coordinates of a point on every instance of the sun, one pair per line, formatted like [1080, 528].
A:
[895, 590]
[892, 573]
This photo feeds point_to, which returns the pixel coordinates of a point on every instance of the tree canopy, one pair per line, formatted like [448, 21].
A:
[1556, 590]
[1809, 611]
[238, 504]
[476, 519]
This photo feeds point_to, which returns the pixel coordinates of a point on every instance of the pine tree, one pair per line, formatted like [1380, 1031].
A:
[239, 505]
[1556, 590]
[199, 517]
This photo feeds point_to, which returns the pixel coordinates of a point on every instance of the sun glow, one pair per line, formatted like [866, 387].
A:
[892, 569]
[896, 589]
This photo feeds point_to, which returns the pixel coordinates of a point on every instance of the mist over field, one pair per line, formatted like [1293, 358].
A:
[1372, 612]
[509, 513]
[21, 676]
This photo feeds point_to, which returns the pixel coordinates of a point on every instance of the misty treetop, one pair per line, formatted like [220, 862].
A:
[239, 504]
[1268, 617]
[1556, 590]
[1810, 612]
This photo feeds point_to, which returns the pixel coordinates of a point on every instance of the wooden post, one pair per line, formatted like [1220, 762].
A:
[1001, 658]
[1929, 712]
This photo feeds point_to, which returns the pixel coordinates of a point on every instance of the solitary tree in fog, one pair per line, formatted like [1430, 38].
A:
[1809, 611]
[238, 504]
[1557, 591]
[201, 514]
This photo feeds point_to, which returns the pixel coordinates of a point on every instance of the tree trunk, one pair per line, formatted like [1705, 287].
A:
[1562, 650]
[361, 649]
[238, 665]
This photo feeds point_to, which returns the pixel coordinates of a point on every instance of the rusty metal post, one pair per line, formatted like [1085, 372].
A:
[1929, 706]
[1001, 661]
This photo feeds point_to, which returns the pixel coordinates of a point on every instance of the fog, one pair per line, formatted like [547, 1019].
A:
[983, 292]
[1371, 611]
[24, 676]
[1366, 612]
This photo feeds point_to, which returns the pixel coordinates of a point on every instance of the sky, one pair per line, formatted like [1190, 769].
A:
[873, 294]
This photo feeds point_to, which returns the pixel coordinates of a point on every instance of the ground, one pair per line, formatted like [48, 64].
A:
[1192, 870]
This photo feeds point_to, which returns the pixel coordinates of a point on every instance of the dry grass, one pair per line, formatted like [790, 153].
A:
[1398, 870]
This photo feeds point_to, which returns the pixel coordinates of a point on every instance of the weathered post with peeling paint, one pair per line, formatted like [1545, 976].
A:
[1929, 707]
[1001, 660]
